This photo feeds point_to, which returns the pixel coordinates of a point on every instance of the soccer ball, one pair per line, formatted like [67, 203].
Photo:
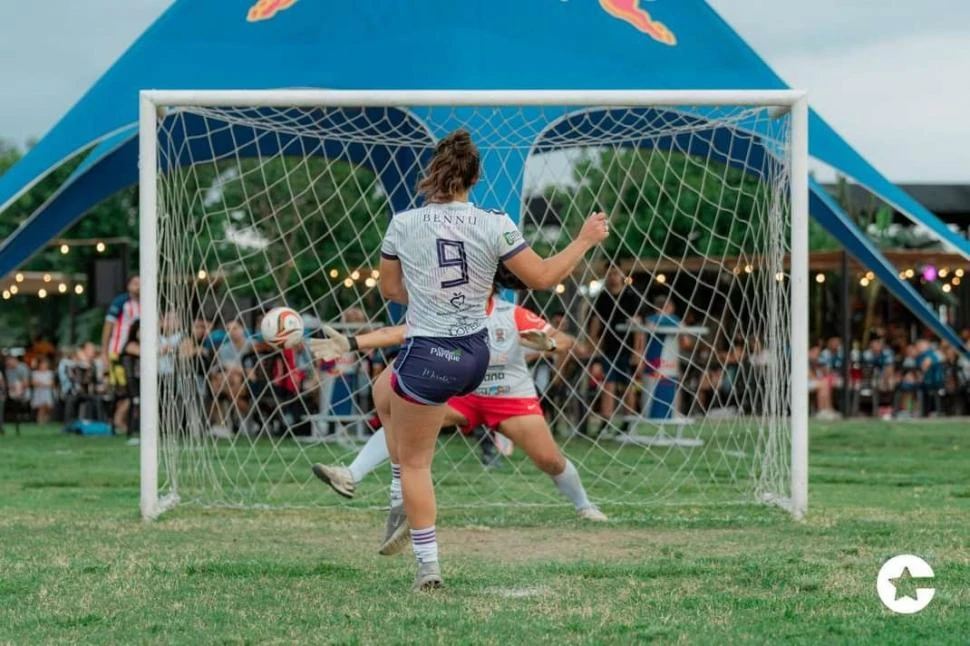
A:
[282, 327]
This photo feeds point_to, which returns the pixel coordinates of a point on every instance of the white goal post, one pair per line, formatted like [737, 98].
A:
[682, 121]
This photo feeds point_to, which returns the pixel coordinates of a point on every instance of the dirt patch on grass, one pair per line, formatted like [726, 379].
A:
[548, 544]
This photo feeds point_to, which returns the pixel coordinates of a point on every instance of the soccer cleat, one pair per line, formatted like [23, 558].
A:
[593, 514]
[428, 577]
[337, 477]
[397, 534]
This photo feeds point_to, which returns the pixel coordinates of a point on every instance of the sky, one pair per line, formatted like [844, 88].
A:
[890, 75]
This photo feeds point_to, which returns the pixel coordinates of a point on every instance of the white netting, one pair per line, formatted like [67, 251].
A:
[265, 206]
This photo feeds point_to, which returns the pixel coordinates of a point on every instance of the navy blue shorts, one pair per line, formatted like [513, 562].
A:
[432, 370]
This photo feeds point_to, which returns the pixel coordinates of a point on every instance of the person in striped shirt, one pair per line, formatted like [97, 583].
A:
[439, 260]
[124, 310]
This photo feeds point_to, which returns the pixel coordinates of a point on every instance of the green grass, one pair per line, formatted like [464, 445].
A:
[78, 566]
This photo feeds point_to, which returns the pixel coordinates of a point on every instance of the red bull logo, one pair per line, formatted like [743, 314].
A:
[631, 12]
[267, 9]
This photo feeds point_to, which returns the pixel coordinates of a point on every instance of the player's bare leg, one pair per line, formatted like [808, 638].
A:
[344, 480]
[608, 401]
[418, 428]
[532, 434]
[396, 526]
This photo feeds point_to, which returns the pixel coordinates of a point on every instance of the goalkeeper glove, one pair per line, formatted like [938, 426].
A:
[537, 340]
[333, 347]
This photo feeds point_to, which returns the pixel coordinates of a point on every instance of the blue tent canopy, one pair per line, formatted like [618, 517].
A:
[430, 44]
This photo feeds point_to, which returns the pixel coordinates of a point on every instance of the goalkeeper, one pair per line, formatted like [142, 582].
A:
[505, 401]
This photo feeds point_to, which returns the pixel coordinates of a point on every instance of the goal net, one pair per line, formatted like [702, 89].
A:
[678, 388]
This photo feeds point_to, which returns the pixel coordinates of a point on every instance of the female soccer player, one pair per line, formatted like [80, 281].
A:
[506, 402]
[439, 260]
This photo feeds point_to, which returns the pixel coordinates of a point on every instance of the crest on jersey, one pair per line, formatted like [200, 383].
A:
[511, 237]
[499, 335]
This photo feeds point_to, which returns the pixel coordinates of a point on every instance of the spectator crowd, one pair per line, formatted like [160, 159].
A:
[241, 384]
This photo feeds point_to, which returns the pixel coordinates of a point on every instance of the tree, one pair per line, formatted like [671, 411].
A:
[669, 204]
[114, 217]
[275, 228]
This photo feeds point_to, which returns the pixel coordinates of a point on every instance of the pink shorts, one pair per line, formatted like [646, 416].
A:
[492, 411]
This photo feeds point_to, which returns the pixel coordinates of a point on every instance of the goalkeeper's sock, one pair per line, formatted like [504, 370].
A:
[424, 542]
[571, 486]
[370, 457]
[397, 498]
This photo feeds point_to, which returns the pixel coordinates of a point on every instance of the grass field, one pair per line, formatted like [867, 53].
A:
[77, 565]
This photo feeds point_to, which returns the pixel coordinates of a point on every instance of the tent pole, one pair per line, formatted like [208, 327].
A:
[846, 335]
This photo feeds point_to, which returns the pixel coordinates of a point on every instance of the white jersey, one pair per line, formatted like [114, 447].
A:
[449, 254]
[508, 374]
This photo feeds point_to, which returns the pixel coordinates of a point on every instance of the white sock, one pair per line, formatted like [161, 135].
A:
[569, 483]
[397, 498]
[424, 542]
[370, 457]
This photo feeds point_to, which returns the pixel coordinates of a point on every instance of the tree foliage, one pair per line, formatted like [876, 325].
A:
[274, 229]
[26, 317]
[664, 203]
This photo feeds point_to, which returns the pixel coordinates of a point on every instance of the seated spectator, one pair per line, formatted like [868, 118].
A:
[227, 381]
[42, 390]
[879, 373]
[18, 380]
[820, 382]
[953, 381]
[910, 381]
[931, 365]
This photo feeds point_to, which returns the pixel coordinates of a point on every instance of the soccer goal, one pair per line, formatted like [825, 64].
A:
[687, 381]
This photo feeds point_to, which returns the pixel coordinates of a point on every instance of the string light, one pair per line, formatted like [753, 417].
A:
[560, 288]
[62, 288]
[819, 278]
[65, 249]
[47, 278]
[348, 282]
[870, 275]
[864, 282]
[944, 272]
[100, 247]
[334, 273]
[14, 289]
[910, 272]
[959, 272]
[19, 277]
[355, 275]
[748, 269]
[42, 293]
[594, 285]
[956, 280]
[202, 274]
[661, 278]
[375, 274]
[370, 282]
[628, 281]
[947, 288]
[6, 295]
[780, 276]
[79, 289]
